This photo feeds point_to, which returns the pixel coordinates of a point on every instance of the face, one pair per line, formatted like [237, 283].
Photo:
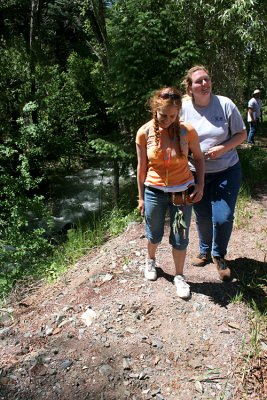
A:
[201, 84]
[167, 115]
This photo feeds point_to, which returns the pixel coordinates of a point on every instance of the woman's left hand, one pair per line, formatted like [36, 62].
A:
[214, 152]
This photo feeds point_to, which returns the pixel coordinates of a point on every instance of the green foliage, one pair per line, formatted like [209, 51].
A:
[109, 149]
[62, 125]
[145, 54]
[23, 248]
[254, 166]
[254, 172]
[14, 88]
[252, 288]
[81, 241]
[117, 220]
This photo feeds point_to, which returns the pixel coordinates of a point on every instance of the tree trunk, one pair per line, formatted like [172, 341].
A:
[116, 184]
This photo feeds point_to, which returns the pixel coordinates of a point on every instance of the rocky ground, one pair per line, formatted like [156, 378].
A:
[105, 333]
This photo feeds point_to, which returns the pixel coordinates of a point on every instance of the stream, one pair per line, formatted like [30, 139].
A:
[74, 198]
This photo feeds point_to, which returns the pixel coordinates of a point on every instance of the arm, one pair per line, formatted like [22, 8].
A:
[250, 112]
[141, 174]
[200, 170]
[232, 143]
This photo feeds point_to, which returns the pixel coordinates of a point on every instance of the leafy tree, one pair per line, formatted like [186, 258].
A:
[231, 37]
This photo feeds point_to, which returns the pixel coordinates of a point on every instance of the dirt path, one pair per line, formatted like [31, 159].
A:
[104, 333]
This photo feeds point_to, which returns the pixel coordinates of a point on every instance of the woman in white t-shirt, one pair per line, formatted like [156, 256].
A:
[220, 129]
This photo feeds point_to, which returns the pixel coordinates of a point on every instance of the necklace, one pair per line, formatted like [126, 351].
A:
[166, 158]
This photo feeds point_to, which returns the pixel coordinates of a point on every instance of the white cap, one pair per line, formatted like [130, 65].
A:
[256, 91]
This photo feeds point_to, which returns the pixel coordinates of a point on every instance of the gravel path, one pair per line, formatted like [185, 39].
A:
[105, 333]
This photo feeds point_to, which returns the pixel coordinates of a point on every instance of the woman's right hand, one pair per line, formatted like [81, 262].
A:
[141, 207]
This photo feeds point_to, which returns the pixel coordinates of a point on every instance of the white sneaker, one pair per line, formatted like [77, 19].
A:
[150, 270]
[182, 288]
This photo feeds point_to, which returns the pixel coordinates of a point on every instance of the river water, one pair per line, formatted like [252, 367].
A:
[75, 197]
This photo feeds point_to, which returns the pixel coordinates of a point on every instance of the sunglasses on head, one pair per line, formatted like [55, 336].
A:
[172, 96]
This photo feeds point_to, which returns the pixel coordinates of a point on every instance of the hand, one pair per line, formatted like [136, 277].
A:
[214, 152]
[197, 194]
[141, 207]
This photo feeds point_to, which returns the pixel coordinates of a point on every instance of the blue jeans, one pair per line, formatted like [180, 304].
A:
[215, 212]
[156, 205]
[252, 131]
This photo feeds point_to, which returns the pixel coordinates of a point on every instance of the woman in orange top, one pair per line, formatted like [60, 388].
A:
[162, 147]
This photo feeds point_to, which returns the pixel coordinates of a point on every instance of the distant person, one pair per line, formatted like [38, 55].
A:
[253, 115]
[220, 129]
[164, 180]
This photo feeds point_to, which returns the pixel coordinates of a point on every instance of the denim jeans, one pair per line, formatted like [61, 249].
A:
[252, 131]
[215, 212]
[156, 205]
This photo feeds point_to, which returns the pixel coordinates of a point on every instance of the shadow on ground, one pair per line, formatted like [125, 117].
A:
[251, 276]
[249, 282]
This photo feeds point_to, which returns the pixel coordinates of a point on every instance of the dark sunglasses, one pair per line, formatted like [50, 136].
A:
[172, 96]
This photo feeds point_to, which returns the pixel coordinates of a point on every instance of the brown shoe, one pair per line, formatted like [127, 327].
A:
[202, 259]
[223, 270]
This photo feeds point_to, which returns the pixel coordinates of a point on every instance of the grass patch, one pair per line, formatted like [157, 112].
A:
[251, 274]
[253, 292]
[77, 243]
[254, 171]
[254, 166]
[80, 241]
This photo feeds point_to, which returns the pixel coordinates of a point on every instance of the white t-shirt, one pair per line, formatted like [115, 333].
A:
[215, 124]
[255, 107]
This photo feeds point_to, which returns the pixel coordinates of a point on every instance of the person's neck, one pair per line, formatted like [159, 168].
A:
[164, 130]
[203, 101]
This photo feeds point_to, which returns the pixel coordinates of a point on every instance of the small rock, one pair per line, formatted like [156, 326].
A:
[88, 317]
[48, 331]
[234, 325]
[142, 375]
[4, 380]
[155, 392]
[66, 364]
[126, 363]
[130, 330]
[157, 343]
[195, 363]
[106, 370]
[52, 371]
[107, 278]
[199, 387]
[146, 391]
[5, 332]
[133, 376]
[156, 360]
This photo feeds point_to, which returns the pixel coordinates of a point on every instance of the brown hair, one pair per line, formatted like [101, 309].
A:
[166, 97]
[187, 81]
